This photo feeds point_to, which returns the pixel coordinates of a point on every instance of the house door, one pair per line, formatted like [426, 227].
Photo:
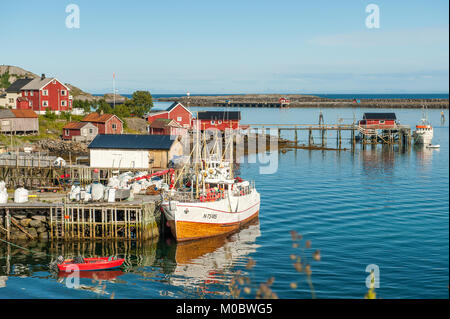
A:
[157, 159]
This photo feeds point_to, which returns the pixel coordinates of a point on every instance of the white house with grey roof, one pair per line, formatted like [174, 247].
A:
[133, 151]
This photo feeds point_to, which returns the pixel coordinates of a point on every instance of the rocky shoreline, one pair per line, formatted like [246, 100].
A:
[299, 101]
[32, 226]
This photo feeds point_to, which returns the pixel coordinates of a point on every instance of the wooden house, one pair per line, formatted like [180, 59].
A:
[106, 123]
[177, 112]
[133, 151]
[220, 120]
[79, 131]
[166, 127]
[47, 93]
[18, 121]
[380, 120]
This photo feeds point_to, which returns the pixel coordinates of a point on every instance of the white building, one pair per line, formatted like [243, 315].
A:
[133, 151]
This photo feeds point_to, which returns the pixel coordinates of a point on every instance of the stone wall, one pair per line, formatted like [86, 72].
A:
[35, 223]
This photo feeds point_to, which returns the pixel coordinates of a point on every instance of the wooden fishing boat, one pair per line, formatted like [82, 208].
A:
[98, 263]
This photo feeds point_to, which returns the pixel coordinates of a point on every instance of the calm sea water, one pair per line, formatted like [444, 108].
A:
[378, 206]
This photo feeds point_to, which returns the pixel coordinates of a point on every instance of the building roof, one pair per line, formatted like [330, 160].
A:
[6, 113]
[25, 113]
[219, 115]
[162, 123]
[174, 105]
[132, 141]
[17, 85]
[98, 118]
[74, 125]
[379, 116]
[37, 83]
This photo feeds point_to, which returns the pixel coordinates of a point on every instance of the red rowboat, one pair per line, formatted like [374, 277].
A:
[99, 263]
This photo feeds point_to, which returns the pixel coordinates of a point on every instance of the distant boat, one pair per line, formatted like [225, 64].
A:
[424, 132]
[433, 146]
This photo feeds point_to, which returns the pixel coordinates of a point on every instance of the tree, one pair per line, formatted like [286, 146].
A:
[140, 103]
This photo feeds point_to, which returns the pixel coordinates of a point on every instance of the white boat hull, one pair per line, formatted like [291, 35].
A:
[195, 220]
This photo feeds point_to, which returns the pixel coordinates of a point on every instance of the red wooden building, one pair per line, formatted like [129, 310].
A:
[46, 93]
[177, 112]
[106, 123]
[378, 120]
[166, 127]
[220, 120]
[284, 101]
[79, 131]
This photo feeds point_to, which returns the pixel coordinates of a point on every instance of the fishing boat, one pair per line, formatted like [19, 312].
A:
[83, 264]
[424, 132]
[212, 202]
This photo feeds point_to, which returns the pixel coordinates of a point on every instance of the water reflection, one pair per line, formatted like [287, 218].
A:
[424, 156]
[210, 262]
[378, 160]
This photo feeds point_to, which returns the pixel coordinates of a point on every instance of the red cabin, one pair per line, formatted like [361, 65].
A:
[220, 120]
[106, 123]
[47, 93]
[166, 127]
[284, 101]
[177, 112]
[379, 119]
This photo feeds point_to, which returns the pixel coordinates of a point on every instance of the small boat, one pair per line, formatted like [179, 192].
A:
[424, 132]
[98, 263]
[433, 146]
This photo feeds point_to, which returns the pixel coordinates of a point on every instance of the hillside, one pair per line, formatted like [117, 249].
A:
[9, 73]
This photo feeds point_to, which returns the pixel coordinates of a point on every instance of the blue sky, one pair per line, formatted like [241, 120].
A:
[232, 46]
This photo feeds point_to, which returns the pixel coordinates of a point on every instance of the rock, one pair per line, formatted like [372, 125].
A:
[19, 217]
[25, 222]
[35, 223]
[32, 232]
[19, 236]
[41, 229]
[39, 217]
[43, 236]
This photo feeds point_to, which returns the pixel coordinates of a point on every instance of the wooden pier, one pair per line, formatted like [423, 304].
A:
[136, 220]
[367, 134]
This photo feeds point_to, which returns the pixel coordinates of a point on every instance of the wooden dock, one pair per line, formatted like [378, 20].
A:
[367, 134]
[134, 220]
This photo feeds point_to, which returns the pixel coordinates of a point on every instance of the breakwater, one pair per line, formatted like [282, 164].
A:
[303, 101]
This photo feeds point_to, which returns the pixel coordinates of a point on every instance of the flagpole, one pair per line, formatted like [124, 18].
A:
[114, 90]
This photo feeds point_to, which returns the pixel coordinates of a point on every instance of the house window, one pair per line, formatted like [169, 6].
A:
[45, 92]
[67, 132]
[31, 103]
[179, 119]
[54, 82]
[219, 122]
[114, 127]
[63, 92]
[31, 93]
[91, 131]
[26, 93]
[381, 121]
[11, 100]
[44, 103]
[212, 122]
[63, 103]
